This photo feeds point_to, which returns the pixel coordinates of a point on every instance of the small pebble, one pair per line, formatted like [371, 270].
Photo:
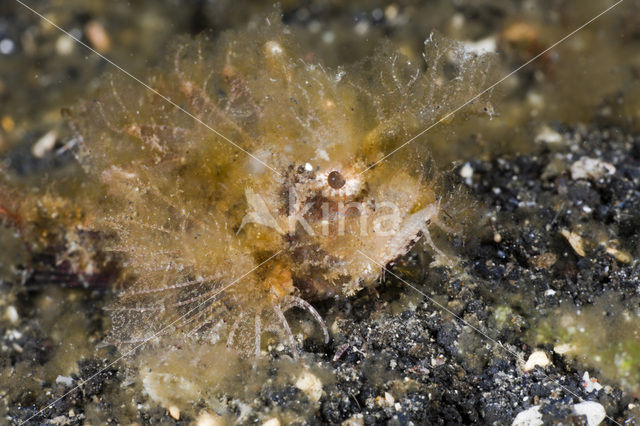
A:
[7, 46]
[486, 45]
[575, 241]
[529, 417]
[548, 135]
[536, 359]
[520, 32]
[13, 334]
[562, 349]
[67, 381]
[619, 255]
[466, 172]
[208, 419]
[390, 400]
[391, 12]
[356, 420]
[174, 412]
[537, 102]
[362, 27]
[377, 14]
[593, 411]
[591, 168]
[273, 48]
[457, 21]
[590, 384]
[543, 260]
[272, 422]
[98, 36]
[311, 385]
[328, 37]
[44, 144]
[7, 124]
[64, 45]
[12, 314]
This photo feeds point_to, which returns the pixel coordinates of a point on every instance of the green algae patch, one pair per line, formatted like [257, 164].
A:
[604, 336]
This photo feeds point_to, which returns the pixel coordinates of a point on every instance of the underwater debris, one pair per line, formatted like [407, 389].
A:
[604, 336]
[222, 244]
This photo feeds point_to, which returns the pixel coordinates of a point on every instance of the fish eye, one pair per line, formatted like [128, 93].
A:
[335, 180]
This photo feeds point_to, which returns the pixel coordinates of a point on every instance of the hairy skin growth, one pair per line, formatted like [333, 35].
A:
[195, 217]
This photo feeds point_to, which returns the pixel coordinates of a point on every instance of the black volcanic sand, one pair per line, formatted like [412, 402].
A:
[394, 355]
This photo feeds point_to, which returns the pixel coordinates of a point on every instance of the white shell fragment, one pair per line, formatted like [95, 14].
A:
[591, 168]
[536, 359]
[590, 384]
[311, 385]
[466, 172]
[174, 412]
[619, 255]
[548, 135]
[593, 411]
[208, 419]
[528, 417]
[486, 45]
[67, 381]
[575, 241]
[44, 144]
[563, 348]
[272, 422]
[12, 314]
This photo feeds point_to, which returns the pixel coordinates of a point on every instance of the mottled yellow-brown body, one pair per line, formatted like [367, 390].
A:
[222, 243]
